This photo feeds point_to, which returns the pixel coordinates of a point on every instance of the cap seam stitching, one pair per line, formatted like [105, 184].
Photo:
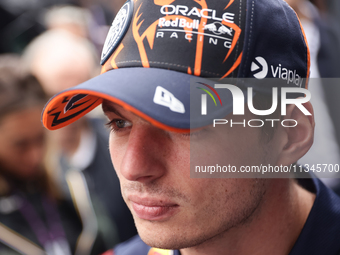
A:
[164, 63]
[238, 41]
[250, 34]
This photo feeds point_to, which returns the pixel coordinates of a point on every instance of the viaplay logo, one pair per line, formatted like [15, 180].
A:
[260, 69]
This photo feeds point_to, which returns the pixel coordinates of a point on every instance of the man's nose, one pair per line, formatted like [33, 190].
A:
[145, 156]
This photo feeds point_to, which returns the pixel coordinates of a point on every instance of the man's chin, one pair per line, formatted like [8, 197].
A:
[163, 242]
[168, 238]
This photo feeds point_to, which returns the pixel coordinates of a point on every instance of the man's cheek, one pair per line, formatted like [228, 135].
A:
[123, 192]
[116, 157]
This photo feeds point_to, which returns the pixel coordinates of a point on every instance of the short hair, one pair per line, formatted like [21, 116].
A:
[18, 89]
[63, 42]
[68, 14]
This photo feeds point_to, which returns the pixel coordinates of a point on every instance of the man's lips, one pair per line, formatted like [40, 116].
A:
[153, 209]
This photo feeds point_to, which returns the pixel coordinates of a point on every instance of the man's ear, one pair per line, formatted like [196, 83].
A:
[299, 139]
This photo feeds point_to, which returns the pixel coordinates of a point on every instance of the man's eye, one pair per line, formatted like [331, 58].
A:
[118, 125]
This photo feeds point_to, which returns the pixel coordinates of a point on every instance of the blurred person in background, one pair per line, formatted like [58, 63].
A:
[89, 20]
[60, 59]
[324, 44]
[70, 18]
[21, 21]
[33, 216]
[99, 16]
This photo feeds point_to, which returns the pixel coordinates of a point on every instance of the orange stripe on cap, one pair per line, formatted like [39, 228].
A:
[149, 34]
[308, 51]
[57, 104]
[61, 112]
[138, 38]
[189, 70]
[163, 2]
[200, 41]
[113, 60]
[106, 67]
[231, 1]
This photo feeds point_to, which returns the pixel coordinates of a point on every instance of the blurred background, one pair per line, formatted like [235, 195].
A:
[58, 189]
[22, 20]
[59, 42]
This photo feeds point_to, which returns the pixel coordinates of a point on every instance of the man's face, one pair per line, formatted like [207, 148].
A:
[22, 143]
[170, 209]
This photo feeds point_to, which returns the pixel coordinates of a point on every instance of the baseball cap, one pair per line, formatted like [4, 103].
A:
[159, 53]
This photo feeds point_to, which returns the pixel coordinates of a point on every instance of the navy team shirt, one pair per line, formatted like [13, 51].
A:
[319, 236]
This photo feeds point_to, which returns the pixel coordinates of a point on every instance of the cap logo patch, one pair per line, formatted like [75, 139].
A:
[182, 17]
[71, 104]
[119, 27]
[218, 29]
[260, 68]
[71, 108]
[194, 26]
[166, 98]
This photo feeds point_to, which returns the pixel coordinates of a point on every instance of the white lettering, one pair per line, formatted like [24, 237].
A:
[238, 97]
[182, 9]
[204, 13]
[182, 23]
[272, 120]
[205, 16]
[161, 22]
[160, 34]
[257, 120]
[228, 17]
[284, 75]
[220, 122]
[227, 44]
[289, 120]
[165, 9]
[238, 123]
[188, 37]
[262, 112]
[214, 16]
[297, 101]
[238, 100]
[174, 34]
[174, 23]
[288, 75]
[274, 73]
[194, 11]
[212, 40]
[284, 123]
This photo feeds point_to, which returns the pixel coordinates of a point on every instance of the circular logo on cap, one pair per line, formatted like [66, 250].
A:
[259, 68]
[119, 27]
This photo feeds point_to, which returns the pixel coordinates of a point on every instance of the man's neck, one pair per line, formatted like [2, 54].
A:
[273, 229]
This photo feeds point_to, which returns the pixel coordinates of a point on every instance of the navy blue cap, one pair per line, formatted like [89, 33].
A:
[160, 53]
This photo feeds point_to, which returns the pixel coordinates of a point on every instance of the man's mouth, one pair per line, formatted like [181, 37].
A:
[153, 209]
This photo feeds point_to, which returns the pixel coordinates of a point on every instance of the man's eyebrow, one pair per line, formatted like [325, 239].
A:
[107, 107]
